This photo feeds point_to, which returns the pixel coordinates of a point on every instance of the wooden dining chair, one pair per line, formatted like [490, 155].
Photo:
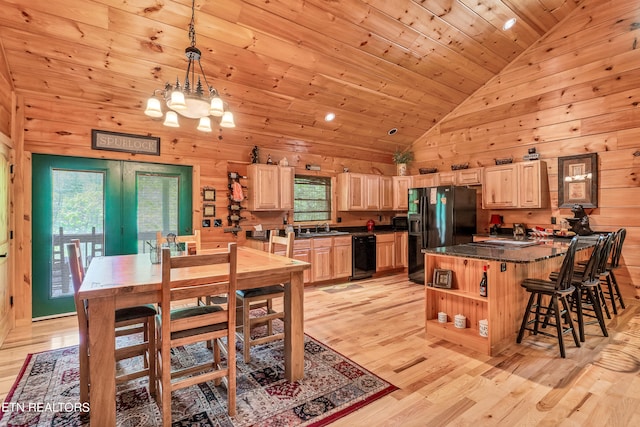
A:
[263, 297]
[128, 322]
[190, 240]
[211, 324]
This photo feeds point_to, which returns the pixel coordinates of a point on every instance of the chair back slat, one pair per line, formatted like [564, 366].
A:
[566, 270]
[172, 291]
[286, 241]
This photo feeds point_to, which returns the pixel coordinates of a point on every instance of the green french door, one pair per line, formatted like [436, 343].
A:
[112, 207]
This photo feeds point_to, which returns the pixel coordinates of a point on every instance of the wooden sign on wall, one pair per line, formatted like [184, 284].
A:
[114, 141]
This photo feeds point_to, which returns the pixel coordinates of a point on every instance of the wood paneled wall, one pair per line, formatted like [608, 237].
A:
[576, 91]
[6, 86]
[61, 128]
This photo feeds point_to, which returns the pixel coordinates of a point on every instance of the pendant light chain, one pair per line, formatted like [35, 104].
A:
[192, 25]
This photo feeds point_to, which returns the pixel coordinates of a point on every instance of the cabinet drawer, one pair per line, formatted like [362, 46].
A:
[342, 241]
[324, 242]
[301, 244]
[385, 237]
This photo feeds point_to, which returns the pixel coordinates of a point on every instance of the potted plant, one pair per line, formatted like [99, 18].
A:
[402, 159]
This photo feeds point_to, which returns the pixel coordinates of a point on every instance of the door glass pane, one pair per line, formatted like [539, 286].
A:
[157, 201]
[77, 213]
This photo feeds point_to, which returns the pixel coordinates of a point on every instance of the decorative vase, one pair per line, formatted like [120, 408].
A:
[402, 169]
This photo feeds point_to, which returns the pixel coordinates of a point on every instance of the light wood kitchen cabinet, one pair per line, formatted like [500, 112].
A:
[342, 259]
[351, 192]
[269, 187]
[469, 176]
[385, 251]
[500, 186]
[364, 192]
[302, 252]
[447, 178]
[385, 185]
[401, 249]
[401, 185]
[287, 178]
[371, 192]
[516, 185]
[321, 259]
[426, 180]
[534, 185]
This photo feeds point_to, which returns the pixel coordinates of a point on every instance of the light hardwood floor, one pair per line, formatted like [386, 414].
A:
[378, 323]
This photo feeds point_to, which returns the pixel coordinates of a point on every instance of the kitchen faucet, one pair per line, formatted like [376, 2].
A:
[325, 225]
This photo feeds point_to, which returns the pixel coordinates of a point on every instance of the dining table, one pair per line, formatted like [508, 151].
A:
[118, 281]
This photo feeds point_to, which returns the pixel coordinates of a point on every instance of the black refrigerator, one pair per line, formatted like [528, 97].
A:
[438, 216]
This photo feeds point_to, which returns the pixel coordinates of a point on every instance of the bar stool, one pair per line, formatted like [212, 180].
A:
[609, 275]
[586, 301]
[558, 290]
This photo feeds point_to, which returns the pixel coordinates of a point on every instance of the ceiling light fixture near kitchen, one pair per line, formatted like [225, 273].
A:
[192, 100]
[509, 24]
[329, 117]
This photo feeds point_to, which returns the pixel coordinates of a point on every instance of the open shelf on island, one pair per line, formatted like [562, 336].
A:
[458, 292]
[447, 331]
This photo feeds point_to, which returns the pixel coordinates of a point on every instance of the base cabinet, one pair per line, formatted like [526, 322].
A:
[401, 248]
[385, 251]
[302, 252]
[320, 259]
[342, 259]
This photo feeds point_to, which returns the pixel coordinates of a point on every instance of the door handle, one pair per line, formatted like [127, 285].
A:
[4, 255]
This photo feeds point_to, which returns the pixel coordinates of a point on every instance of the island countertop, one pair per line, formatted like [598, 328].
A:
[517, 251]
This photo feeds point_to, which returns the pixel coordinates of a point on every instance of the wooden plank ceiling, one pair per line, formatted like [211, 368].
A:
[280, 64]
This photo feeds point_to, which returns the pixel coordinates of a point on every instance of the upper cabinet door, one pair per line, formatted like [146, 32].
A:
[534, 185]
[351, 191]
[287, 177]
[401, 185]
[500, 186]
[386, 193]
[469, 176]
[372, 192]
[263, 186]
[427, 180]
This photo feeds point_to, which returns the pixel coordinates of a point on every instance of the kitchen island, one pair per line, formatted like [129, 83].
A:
[508, 262]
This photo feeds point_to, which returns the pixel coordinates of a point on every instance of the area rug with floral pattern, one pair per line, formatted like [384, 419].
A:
[46, 392]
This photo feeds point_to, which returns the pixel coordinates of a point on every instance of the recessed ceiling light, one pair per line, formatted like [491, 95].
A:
[392, 131]
[510, 23]
[329, 117]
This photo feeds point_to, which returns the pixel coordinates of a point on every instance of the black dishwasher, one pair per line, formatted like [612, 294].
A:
[364, 255]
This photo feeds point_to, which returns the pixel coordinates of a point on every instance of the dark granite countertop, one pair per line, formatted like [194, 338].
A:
[518, 251]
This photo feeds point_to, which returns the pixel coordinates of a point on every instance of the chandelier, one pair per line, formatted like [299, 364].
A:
[192, 100]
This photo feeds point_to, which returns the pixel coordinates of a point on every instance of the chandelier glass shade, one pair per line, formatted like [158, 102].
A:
[194, 99]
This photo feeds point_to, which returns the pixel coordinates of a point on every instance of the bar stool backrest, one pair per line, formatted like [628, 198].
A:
[617, 247]
[598, 259]
[565, 276]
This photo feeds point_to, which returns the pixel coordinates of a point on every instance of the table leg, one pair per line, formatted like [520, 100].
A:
[294, 328]
[102, 363]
